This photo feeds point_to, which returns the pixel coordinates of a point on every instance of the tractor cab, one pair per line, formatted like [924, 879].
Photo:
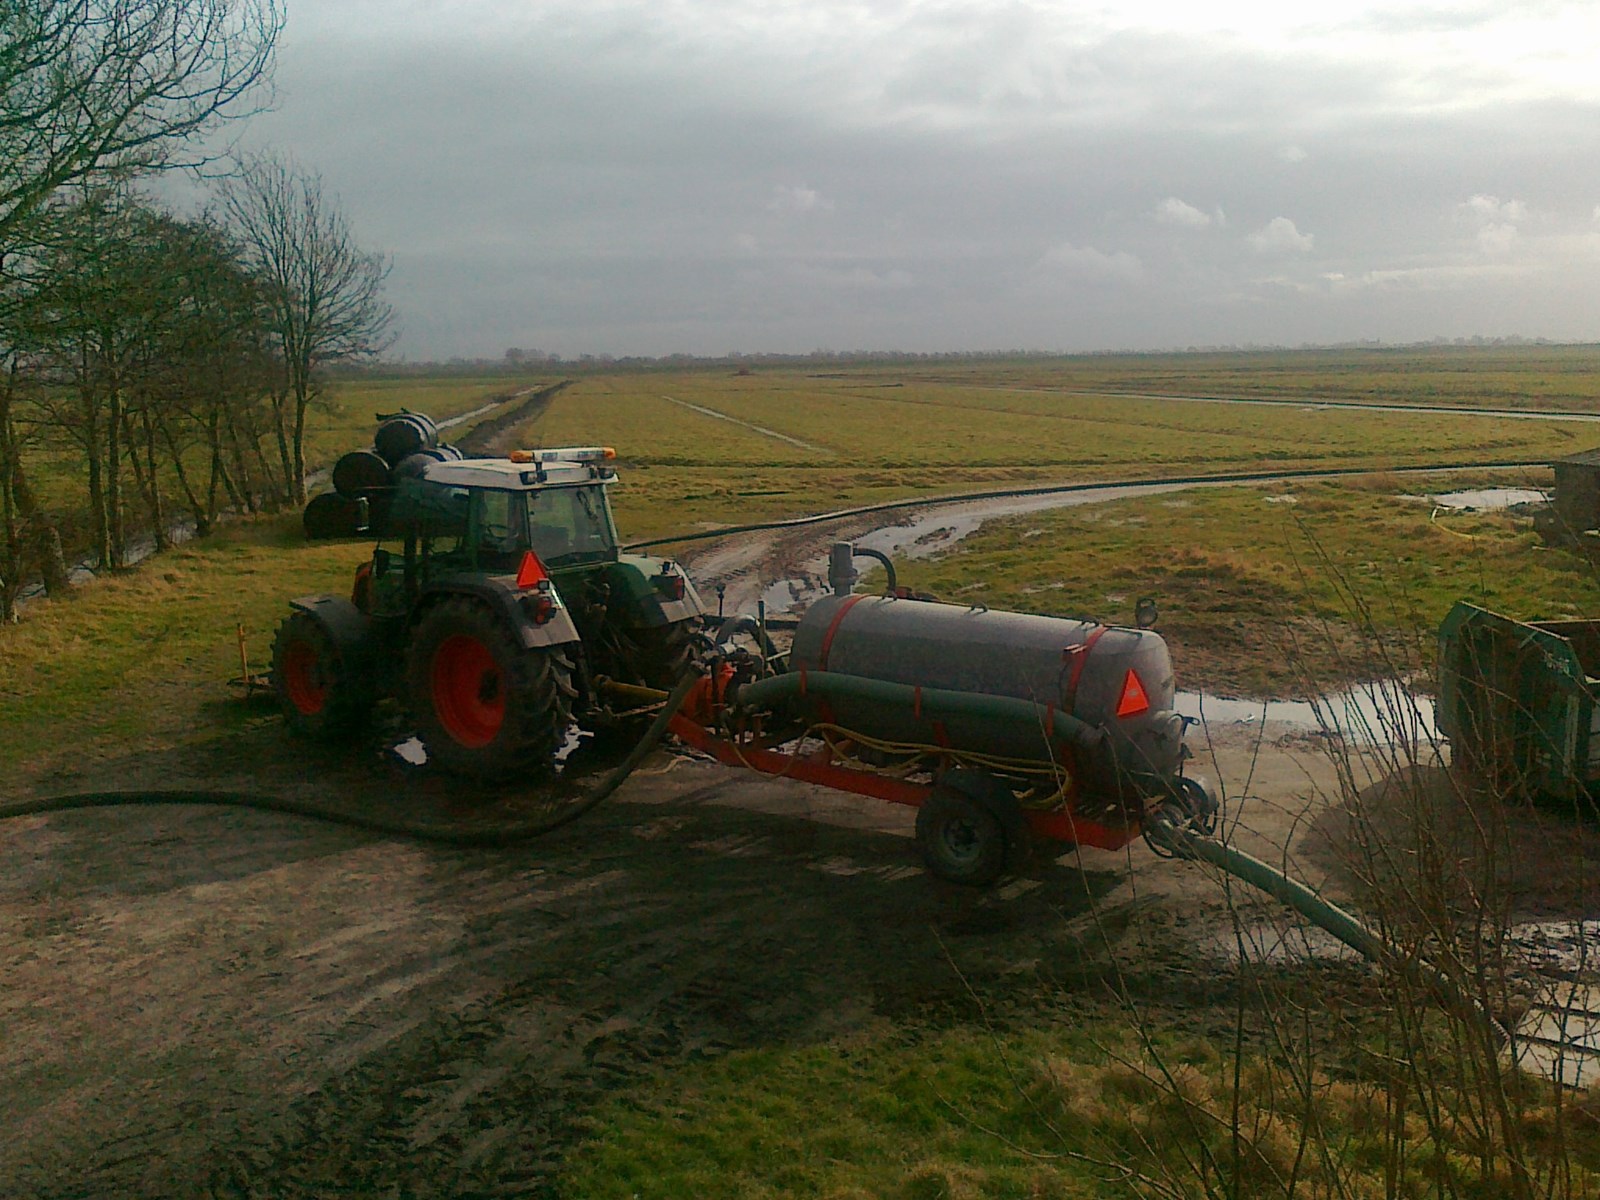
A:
[486, 514]
[484, 517]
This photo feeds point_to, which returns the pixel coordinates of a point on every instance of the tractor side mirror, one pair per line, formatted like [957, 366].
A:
[380, 562]
[1144, 612]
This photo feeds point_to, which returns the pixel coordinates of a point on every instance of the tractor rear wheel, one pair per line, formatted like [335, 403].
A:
[667, 653]
[321, 693]
[485, 706]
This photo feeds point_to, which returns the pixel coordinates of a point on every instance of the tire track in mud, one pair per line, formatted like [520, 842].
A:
[493, 437]
[434, 1022]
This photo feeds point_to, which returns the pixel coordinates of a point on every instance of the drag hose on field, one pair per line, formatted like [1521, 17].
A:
[500, 835]
[1328, 916]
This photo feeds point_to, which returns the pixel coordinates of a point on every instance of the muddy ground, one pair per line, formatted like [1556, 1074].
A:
[224, 1002]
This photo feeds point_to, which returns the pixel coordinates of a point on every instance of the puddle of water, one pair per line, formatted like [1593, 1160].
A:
[1559, 947]
[1490, 498]
[935, 530]
[1559, 1038]
[1362, 716]
[931, 532]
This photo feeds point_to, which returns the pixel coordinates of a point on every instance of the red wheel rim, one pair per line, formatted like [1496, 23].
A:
[302, 678]
[468, 693]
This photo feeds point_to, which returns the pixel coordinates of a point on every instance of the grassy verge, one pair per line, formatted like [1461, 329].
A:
[1066, 1110]
[1257, 585]
[140, 659]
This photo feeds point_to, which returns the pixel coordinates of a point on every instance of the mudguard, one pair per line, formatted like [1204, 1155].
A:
[647, 607]
[347, 626]
[501, 594]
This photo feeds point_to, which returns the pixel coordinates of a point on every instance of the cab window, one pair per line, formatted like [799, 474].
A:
[570, 524]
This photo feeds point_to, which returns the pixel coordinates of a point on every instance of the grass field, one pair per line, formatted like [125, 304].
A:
[1073, 1110]
[875, 436]
[1531, 377]
[139, 661]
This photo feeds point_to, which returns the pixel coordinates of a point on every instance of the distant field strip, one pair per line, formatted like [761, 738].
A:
[630, 413]
[1517, 378]
[925, 425]
[1312, 402]
[771, 433]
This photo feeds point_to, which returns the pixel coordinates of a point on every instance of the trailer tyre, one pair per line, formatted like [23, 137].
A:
[961, 840]
[485, 707]
[322, 693]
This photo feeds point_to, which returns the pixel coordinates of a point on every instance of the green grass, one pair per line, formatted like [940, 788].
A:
[1074, 1108]
[878, 434]
[1561, 377]
[873, 1116]
[140, 660]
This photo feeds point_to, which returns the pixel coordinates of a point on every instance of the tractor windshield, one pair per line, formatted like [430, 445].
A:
[570, 525]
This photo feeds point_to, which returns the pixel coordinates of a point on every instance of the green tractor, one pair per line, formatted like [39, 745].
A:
[497, 608]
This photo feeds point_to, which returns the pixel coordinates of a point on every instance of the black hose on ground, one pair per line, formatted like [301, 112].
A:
[502, 835]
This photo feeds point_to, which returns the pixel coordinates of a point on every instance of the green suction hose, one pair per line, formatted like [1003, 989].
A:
[1169, 830]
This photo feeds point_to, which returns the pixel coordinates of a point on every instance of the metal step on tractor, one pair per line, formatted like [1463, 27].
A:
[494, 605]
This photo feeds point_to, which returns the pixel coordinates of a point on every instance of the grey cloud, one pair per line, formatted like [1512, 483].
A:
[1173, 211]
[1279, 236]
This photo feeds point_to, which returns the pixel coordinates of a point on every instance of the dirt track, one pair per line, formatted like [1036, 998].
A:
[232, 1003]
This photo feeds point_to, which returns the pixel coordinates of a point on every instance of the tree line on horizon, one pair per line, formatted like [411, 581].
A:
[156, 368]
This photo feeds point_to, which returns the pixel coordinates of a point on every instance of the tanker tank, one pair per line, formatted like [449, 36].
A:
[1117, 683]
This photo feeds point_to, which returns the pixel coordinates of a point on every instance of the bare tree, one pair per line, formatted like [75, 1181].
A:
[324, 292]
[97, 87]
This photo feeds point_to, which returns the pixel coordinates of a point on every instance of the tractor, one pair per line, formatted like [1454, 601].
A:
[494, 607]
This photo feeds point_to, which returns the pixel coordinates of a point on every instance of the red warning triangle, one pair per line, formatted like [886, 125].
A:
[531, 572]
[1133, 701]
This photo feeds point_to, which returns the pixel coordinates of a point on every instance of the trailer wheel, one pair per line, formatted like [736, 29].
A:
[961, 840]
[485, 706]
[322, 695]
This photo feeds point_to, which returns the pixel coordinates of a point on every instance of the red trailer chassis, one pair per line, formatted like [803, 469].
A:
[701, 722]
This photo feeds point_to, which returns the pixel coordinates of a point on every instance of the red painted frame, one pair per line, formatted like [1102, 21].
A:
[1062, 825]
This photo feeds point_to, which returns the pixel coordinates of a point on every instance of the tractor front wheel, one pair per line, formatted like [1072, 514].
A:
[322, 694]
[485, 707]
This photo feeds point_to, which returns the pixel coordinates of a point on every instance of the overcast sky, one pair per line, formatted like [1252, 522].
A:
[787, 175]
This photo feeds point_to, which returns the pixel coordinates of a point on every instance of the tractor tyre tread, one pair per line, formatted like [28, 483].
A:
[668, 653]
[537, 684]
